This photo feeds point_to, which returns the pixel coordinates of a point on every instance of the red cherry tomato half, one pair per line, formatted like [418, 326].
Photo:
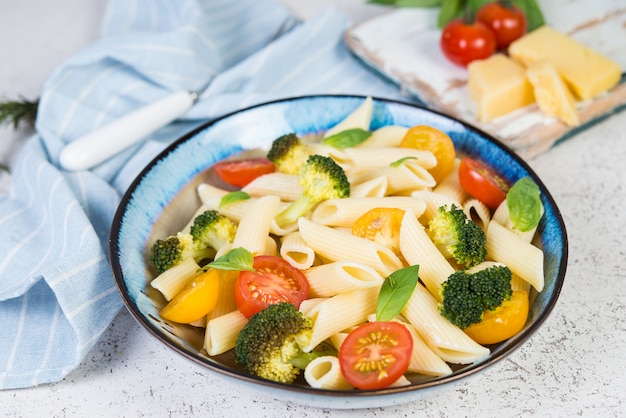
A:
[463, 43]
[241, 172]
[376, 354]
[273, 280]
[482, 182]
[506, 21]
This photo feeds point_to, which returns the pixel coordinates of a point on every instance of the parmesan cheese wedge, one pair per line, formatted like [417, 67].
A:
[586, 72]
[499, 86]
[553, 97]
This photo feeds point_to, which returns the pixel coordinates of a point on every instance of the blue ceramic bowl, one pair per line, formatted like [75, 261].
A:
[163, 198]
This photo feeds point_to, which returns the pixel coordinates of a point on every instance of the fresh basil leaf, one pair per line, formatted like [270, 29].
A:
[401, 161]
[233, 197]
[524, 204]
[450, 10]
[533, 13]
[348, 138]
[236, 259]
[395, 292]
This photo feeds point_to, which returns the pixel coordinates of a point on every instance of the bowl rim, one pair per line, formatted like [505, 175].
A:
[466, 371]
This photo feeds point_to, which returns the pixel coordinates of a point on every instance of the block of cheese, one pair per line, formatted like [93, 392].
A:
[586, 72]
[552, 95]
[499, 86]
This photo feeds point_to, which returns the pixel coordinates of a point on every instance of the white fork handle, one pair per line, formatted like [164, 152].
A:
[105, 142]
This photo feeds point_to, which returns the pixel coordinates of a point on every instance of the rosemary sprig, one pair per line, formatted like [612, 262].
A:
[16, 111]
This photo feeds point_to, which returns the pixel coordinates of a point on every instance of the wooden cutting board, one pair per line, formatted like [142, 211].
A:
[403, 45]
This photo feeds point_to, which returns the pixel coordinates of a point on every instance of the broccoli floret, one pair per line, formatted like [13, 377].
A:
[457, 236]
[288, 154]
[212, 229]
[270, 344]
[168, 252]
[321, 178]
[466, 294]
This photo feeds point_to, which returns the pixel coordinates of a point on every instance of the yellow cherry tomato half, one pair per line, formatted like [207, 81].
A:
[431, 139]
[503, 322]
[381, 225]
[195, 300]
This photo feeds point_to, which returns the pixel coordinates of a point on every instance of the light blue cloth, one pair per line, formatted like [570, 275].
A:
[57, 293]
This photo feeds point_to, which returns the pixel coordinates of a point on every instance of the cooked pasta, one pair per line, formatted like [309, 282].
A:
[337, 245]
[171, 281]
[330, 279]
[324, 373]
[296, 251]
[255, 225]
[221, 332]
[283, 185]
[344, 212]
[386, 136]
[523, 258]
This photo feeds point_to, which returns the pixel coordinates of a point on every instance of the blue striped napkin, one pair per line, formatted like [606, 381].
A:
[57, 293]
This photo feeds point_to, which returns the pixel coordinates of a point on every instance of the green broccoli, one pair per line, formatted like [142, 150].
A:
[270, 344]
[288, 154]
[321, 178]
[169, 252]
[212, 229]
[457, 236]
[466, 294]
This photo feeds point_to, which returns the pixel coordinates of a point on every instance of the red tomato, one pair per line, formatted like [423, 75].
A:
[464, 42]
[376, 354]
[241, 172]
[482, 182]
[273, 280]
[506, 21]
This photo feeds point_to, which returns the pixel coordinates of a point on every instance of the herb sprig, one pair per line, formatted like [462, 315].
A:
[452, 9]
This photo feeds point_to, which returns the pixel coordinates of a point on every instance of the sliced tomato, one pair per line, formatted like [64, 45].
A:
[503, 322]
[195, 300]
[482, 182]
[375, 354]
[241, 172]
[431, 139]
[273, 280]
[381, 225]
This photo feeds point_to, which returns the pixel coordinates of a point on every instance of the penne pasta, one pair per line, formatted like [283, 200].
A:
[360, 118]
[226, 300]
[254, 227]
[285, 186]
[417, 248]
[340, 312]
[402, 179]
[330, 279]
[208, 191]
[325, 373]
[523, 258]
[296, 251]
[337, 245]
[376, 187]
[344, 212]
[386, 136]
[433, 202]
[171, 281]
[365, 159]
[221, 332]
[451, 185]
[449, 342]
[478, 212]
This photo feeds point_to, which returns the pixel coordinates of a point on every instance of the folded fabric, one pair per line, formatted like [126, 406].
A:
[57, 293]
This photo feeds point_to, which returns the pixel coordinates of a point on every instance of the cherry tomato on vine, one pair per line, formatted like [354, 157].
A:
[273, 280]
[506, 21]
[503, 322]
[463, 42]
[241, 172]
[375, 354]
[482, 183]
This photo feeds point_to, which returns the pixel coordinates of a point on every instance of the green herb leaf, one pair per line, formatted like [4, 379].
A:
[233, 197]
[16, 111]
[395, 292]
[524, 204]
[534, 15]
[450, 10]
[236, 259]
[348, 138]
[401, 161]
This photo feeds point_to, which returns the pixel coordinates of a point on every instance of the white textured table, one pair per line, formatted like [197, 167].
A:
[573, 366]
